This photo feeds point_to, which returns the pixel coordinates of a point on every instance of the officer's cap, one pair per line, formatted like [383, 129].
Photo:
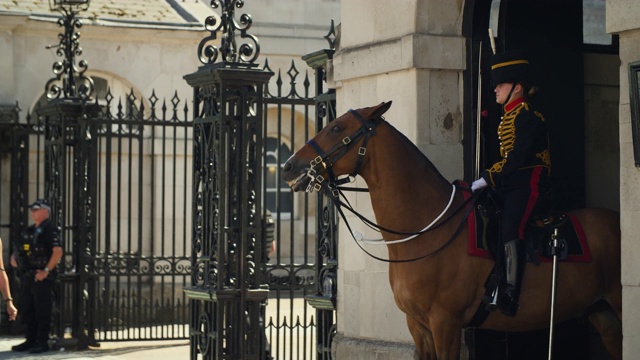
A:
[510, 67]
[40, 204]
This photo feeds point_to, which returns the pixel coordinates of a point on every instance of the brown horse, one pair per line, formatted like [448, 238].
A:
[440, 293]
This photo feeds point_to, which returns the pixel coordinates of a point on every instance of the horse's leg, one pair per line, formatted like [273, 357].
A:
[614, 298]
[447, 335]
[423, 339]
[609, 327]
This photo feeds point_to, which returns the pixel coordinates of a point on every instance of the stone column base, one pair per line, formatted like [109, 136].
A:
[349, 348]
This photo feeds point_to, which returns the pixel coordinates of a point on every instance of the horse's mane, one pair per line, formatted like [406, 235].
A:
[415, 148]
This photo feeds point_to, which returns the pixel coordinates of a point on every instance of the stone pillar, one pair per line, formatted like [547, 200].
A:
[412, 53]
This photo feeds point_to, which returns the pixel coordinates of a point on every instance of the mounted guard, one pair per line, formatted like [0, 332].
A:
[521, 176]
[434, 280]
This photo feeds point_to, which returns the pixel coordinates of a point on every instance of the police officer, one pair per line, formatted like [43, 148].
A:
[521, 175]
[36, 256]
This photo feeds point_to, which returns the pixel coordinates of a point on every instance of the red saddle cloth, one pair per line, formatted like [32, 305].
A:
[483, 231]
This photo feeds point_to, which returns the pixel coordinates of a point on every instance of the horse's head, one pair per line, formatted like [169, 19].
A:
[338, 149]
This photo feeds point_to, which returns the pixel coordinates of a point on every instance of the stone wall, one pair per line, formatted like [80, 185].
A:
[412, 53]
[622, 19]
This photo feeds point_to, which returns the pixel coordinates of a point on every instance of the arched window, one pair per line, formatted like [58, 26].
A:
[278, 195]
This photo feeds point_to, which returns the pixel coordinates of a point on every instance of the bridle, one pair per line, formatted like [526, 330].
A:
[327, 159]
[331, 188]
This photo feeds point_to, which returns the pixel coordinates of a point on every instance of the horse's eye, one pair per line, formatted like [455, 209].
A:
[336, 129]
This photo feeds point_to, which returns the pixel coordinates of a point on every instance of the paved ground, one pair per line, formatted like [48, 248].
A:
[177, 349]
[133, 350]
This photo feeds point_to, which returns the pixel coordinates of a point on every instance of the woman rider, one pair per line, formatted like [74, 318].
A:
[523, 170]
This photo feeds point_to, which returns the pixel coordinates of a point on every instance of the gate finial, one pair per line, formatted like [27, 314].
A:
[331, 36]
[70, 81]
[246, 53]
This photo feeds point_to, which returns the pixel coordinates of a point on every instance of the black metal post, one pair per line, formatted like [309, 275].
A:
[324, 301]
[70, 186]
[70, 81]
[70, 183]
[228, 285]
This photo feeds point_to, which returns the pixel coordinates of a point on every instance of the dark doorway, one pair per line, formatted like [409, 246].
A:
[551, 31]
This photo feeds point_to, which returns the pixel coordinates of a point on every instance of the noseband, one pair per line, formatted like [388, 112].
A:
[325, 160]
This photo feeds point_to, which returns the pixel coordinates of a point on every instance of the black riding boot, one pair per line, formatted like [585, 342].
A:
[513, 268]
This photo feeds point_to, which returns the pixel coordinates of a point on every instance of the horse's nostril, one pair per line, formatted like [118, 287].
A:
[287, 166]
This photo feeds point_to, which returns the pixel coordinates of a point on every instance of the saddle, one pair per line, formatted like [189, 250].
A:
[484, 233]
[484, 241]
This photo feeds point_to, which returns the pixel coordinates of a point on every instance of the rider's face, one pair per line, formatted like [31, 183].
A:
[502, 92]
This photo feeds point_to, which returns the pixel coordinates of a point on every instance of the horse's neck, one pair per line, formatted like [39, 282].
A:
[406, 190]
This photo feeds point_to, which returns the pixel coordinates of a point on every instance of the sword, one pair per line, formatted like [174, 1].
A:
[555, 249]
[494, 296]
[476, 173]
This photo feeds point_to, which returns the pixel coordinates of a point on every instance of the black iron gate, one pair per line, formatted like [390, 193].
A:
[324, 295]
[142, 240]
[244, 132]
[302, 273]
[118, 174]
[290, 271]
[133, 183]
[118, 178]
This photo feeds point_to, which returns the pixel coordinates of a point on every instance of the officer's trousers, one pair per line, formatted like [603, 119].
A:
[36, 306]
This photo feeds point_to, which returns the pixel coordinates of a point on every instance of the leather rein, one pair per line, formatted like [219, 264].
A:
[331, 187]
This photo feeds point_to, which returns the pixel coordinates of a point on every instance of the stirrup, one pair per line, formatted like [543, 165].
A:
[508, 303]
[511, 309]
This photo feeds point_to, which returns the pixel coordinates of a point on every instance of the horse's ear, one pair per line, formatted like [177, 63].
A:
[380, 110]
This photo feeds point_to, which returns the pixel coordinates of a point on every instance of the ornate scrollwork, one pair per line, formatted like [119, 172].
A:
[202, 332]
[226, 23]
[286, 276]
[198, 275]
[69, 81]
[208, 96]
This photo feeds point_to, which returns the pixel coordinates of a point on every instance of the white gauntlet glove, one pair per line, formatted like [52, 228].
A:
[479, 184]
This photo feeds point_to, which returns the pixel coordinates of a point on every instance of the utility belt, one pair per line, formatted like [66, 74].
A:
[38, 263]
[27, 265]
[34, 256]
[31, 273]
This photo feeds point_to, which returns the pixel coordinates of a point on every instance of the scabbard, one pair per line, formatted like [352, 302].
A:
[476, 172]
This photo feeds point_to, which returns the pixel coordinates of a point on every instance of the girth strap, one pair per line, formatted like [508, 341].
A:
[483, 312]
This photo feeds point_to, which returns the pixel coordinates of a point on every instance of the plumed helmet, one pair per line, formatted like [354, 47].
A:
[510, 67]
